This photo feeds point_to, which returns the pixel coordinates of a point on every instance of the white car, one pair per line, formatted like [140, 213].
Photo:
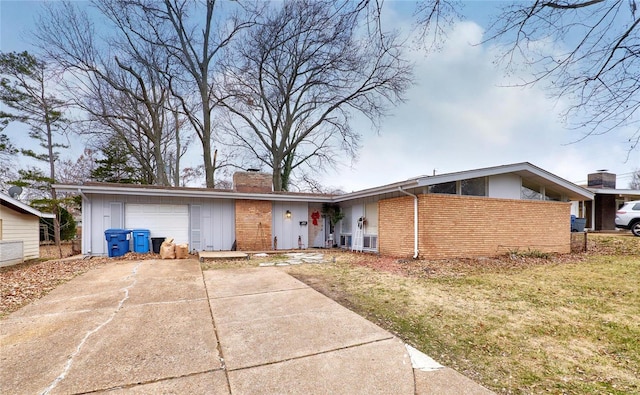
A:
[628, 217]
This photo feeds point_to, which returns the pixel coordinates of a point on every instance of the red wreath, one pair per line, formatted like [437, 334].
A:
[315, 216]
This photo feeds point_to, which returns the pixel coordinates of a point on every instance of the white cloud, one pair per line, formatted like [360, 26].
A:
[459, 116]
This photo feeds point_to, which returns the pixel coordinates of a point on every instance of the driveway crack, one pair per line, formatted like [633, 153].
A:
[86, 337]
[215, 331]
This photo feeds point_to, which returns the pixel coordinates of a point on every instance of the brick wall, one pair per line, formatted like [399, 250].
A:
[252, 182]
[395, 226]
[253, 225]
[467, 226]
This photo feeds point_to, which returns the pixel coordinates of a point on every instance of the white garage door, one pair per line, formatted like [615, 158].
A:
[163, 220]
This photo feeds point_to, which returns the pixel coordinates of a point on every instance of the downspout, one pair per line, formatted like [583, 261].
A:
[415, 221]
[88, 219]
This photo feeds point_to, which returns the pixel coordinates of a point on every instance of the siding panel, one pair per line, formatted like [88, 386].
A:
[22, 227]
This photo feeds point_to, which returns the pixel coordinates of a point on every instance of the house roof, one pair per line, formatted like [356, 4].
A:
[20, 207]
[632, 193]
[525, 170]
[155, 190]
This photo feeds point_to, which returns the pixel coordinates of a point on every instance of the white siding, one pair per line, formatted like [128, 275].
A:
[286, 229]
[217, 225]
[505, 186]
[21, 227]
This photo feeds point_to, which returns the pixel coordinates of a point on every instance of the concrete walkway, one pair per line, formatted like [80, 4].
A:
[167, 327]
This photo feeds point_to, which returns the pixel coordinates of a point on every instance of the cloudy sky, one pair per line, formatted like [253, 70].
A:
[457, 117]
[460, 116]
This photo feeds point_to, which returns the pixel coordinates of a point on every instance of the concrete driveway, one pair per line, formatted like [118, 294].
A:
[164, 326]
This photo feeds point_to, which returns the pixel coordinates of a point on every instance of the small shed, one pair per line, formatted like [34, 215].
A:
[19, 231]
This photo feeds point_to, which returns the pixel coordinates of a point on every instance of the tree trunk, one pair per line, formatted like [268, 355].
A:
[286, 171]
[161, 171]
[209, 167]
[277, 177]
[52, 175]
[176, 168]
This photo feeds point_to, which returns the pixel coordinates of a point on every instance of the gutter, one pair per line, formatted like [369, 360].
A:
[415, 221]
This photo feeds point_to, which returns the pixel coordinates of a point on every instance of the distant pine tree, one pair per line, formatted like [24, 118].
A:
[117, 166]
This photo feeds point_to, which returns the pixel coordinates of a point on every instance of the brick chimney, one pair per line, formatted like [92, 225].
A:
[252, 181]
[602, 179]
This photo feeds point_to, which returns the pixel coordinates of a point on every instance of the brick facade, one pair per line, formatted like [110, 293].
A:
[252, 182]
[253, 225]
[467, 226]
[395, 226]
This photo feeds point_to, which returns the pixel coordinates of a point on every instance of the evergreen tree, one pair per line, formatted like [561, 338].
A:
[68, 226]
[7, 153]
[25, 89]
[117, 166]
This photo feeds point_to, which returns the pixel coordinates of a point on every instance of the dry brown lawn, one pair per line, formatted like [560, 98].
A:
[525, 323]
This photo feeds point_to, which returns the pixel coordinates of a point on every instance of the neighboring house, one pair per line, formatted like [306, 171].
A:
[19, 231]
[601, 212]
[473, 213]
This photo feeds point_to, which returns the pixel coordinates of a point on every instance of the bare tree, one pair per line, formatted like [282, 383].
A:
[293, 81]
[635, 180]
[120, 80]
[432, 19]
[586, 51]
[192, 34]
[177, 144]
[70, 171]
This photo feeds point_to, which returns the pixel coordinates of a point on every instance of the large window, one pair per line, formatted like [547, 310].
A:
[345, 227]
[474, 187]
[468, 187]
[447, 187]
[532, 191]
[528, 193]
[552, 195]
[371, 214]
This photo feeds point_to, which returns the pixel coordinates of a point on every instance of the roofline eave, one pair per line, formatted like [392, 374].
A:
[517, 167]
[190, 193]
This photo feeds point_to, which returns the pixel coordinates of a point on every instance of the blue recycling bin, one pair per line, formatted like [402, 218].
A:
[578, 224]
[141, 240]
[117, 241]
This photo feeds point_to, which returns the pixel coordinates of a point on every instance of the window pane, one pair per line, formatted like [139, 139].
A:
[447, 187]
[530, 194]
[474, 187]
[371, 214]
[346, 220]
[552, 195]
[370, 242]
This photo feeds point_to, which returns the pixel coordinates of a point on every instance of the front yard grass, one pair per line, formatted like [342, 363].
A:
[562, 324]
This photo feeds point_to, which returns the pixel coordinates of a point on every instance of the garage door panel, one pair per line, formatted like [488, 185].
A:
[162, 220]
